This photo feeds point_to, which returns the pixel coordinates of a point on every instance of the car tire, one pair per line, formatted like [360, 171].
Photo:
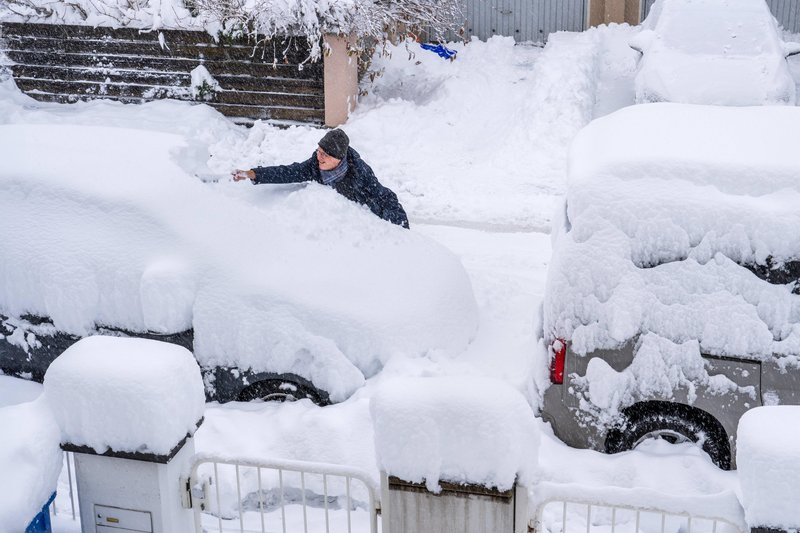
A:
[674, 423]
[279, 390]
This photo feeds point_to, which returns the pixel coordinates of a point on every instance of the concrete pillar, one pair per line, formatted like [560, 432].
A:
[340, 80]
[608, 11]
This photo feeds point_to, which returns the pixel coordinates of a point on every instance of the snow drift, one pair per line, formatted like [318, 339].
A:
[31, 460]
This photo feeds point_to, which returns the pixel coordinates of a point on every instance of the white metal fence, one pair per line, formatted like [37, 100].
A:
[286, 496]
[586, 516]
[251, 496]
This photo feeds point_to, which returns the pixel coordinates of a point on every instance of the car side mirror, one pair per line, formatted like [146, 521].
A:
[791, 49]
[642, 40]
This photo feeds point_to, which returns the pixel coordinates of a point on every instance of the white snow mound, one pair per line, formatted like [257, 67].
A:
[454, 429]
[769, 472]
[105, 227]
[30, 459]
[124, 394]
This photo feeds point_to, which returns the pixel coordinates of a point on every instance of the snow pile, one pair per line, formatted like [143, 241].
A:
[499, 166]
[677, 478]
[725, 52]
[339, 434]
[766, 456]
[202, 127]
[665, 204]
[454, 429]
[129, 395]
[282, 279]
[15, 390]
[30, 460]
[203, 83]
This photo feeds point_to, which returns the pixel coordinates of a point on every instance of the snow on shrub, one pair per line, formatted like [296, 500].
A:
[454, 429]
[104, 227]
[129, 395]
[255, 19]
[667, 205]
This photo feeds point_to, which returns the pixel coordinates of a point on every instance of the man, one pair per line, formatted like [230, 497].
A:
[337, 165]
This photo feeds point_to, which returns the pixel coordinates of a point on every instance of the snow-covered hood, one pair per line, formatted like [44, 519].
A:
[665, 204]
[103, 226]
[673, 76]
[720, 52]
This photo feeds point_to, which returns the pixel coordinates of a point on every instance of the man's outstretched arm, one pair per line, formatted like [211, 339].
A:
[294, 173]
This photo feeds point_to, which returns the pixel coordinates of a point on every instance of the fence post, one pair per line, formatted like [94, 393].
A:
[340, 80]
[128, 409]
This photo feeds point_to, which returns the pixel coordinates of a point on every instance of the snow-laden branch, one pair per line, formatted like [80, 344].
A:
[367, 20]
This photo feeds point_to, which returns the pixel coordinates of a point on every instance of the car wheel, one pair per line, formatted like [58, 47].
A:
[279, 390]
[675, 423]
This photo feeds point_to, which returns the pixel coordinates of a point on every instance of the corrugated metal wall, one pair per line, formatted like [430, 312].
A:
[786, 11]
[525, 20]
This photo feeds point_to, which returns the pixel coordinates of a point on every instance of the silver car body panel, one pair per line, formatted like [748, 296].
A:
[565, 406]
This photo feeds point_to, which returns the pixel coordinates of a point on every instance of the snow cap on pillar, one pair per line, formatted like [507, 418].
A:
[464, 430]
[125, 395]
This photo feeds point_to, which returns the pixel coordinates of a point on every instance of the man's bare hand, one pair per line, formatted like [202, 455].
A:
[240, 175]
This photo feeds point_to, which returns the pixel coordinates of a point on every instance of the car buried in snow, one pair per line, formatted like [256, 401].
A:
[714, 52]
[672, 303]
[281, 292]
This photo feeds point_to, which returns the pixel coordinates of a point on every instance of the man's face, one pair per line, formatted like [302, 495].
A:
[326, 162]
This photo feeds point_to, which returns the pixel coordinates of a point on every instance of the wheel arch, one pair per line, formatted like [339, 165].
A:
[619, 438]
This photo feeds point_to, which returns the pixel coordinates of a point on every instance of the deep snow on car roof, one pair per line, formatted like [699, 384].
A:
[104, 226]
[665, 204]
[748, 151]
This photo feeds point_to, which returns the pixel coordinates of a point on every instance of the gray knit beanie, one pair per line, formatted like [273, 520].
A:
[335, 143]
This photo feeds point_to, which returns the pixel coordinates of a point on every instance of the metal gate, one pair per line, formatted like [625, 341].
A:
[786, 11]
[286, 496]
[594, 516]
[525, 20]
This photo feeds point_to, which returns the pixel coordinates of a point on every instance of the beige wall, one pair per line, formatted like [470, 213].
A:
[608, 11]
[340, 81]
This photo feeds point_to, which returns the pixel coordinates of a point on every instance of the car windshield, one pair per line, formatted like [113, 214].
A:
[742, 32]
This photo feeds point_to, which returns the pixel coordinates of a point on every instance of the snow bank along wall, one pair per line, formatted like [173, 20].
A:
[274, 80]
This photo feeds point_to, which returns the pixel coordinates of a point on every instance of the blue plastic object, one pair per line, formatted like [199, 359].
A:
[440, 50]
[41, 522]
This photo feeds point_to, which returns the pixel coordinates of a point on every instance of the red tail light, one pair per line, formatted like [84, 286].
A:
[559, 348]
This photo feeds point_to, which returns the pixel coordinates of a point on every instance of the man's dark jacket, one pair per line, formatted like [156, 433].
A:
[359, 184]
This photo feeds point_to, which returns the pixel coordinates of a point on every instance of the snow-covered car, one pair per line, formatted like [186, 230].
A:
[672, 303]
[280, 291]
[719, 52]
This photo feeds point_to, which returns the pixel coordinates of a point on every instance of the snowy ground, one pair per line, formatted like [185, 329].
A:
[476, 150]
